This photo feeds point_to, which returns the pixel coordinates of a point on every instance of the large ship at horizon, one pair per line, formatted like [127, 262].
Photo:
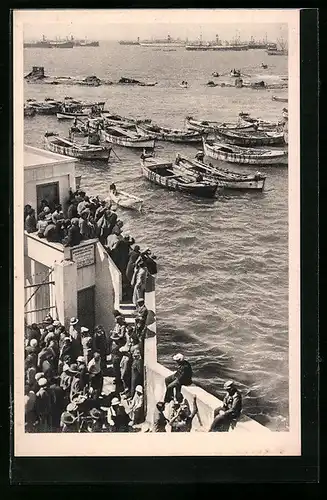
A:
[164, 42]
[217, 45]
[130, 42]
[49, 44]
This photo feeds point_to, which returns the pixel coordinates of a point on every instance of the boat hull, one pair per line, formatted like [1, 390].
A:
[127, 143]
[202, 191]
[128, 203]
[243, 140]
[202, 127]
[231, 181]
[279, 99]
[71, 116]
[73, 152]
[170, 137]
[244, 159]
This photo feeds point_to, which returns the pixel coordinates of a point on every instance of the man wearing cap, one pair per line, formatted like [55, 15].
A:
[118, 334]
[100, 345]
[136, 408]
[96, 377]
[66, 353]
[228, 415]
[125, 368]
[182, 421]
[141, 313]
[75, 335]
[139, 279]
[117, 417]
[182, 376]
[43, 407]
[86, 341]
[133, 257]
[74, 236]
[160, 421]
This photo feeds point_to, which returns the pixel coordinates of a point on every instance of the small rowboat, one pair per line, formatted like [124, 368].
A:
[258, 123]
[244, 138]
[29, 110]
[70, 115]
[244, 156]
[128, 138]
[184, 85]
[65, 147]
[279, 99]
[225, 178]
[169, 134]
[211, 126]
[125, 200]
[170, 176]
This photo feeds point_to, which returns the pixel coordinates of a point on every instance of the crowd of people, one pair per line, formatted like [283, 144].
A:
[84, 218]
[65, 370]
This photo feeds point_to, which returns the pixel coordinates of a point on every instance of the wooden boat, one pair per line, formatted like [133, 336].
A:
[70, 115]
[66, 147]
[215, 74]
[211, 126]
[258, 123]
[128, 138]
[44, 108]
[168, 134]
[235, 73]
[170, 176]
[279, 99]
[225, 178]
[244, 156]
[211, 84]
[184, 85]
[29, 110]
[125, 200]
[259, 138]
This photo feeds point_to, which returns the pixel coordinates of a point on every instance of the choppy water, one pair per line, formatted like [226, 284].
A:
[222, 288]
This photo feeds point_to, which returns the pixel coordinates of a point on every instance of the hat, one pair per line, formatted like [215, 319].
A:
[229, 384]
[84, 329]
[73, 368]
[95, 413]
[67, 418]
[114, 336]
[71, 407]
[124, 349]
[139, 388]
[115, 401]
[33, 342]
[46, 210]
[73, 321]
[81, 359]
[68, 339]
[50, 328]
[39, 375]
[140, 300]
[75, 221]
[178, 357]
[56, 323]
[79, 399]
[42, 382]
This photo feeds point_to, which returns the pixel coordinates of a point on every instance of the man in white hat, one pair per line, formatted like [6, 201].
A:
[136, 409]
[227, 415]
[117, 417]
[182, 376]
[43, 406]
[141, 313]
[75, 335]
[86, 341]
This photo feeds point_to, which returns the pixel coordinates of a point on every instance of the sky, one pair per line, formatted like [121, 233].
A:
[146, 24]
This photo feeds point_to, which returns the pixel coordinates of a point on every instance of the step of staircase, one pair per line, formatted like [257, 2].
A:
[129, 312]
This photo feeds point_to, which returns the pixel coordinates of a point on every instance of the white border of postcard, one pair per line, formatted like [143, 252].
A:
[164, 444]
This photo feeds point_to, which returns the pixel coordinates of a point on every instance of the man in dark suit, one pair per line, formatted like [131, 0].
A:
[230, 412]
[182, 376]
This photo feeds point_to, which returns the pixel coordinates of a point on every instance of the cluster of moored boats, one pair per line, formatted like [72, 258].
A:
[247, 141]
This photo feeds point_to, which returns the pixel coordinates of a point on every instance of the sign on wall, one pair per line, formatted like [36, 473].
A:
[83, 256]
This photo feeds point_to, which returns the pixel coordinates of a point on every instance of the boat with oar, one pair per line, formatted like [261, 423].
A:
[244, 156]
[125, 200]
[259, 138]
[127, 138]
[43, 108]
[258, 123]
[170, 176]
[169, 134]
[210, 126]
[279, 99]
[224, 177]
[73, 149]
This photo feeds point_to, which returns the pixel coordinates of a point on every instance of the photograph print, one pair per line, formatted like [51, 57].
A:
[154, 226]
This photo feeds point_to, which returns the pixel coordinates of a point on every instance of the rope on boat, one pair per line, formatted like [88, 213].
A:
[112, 149]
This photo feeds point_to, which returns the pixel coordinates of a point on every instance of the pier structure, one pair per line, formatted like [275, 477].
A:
[84, 282]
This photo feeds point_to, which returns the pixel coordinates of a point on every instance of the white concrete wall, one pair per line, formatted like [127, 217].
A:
[42, 251]
[104, 292]
[30, 191]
